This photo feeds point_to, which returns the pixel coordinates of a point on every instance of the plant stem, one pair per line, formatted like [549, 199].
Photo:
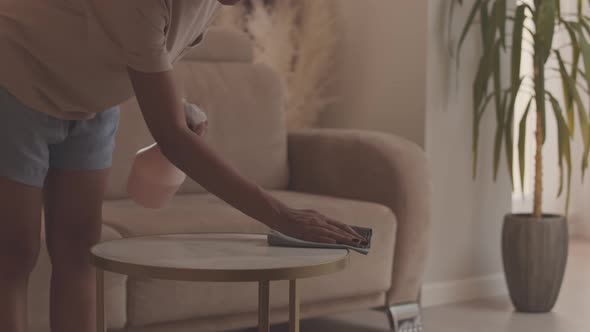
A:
[538, 200]
[539, 73]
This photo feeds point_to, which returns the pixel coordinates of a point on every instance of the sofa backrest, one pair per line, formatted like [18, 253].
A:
[243, 102]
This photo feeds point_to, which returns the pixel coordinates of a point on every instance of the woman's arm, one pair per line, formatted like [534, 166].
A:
[162, 110]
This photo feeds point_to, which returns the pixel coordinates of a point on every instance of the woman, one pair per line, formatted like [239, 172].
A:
[64, 66]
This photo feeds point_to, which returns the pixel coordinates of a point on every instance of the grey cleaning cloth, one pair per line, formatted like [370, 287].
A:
[278, 239]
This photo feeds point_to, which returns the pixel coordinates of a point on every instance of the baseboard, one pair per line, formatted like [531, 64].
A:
[579, 231]
[446, 292]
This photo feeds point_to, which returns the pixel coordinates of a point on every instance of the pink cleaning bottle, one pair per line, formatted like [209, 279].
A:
[154, 180]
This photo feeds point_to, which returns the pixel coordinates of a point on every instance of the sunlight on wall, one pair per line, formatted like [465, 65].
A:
[522, 195]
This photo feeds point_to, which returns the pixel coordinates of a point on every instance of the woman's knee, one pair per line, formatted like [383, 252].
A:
[73, 212]
[18, 254]
[20, 226]
[70, 247]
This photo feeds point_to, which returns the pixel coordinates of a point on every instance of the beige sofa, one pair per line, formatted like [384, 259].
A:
[358, 177]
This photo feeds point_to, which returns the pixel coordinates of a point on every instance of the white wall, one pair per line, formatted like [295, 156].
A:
[467, 214]
[579, 214]
[552, 203]
[394, 75]
[380, 74]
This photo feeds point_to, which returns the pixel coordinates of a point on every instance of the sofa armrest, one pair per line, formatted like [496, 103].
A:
[374, 167]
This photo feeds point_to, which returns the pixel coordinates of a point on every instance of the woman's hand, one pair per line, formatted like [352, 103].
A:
[163, 111]
[229, 2]
[309, 225]
[200, 128]
[196, 120]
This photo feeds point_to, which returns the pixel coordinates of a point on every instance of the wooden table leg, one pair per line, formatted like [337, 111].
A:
[100, 305]
[293, 306]
[263, 306]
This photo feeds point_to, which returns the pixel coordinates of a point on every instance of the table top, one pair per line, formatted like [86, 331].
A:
[215, 257]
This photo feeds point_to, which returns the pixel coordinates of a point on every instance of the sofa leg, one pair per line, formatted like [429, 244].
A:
[390, 319]
[404, 317]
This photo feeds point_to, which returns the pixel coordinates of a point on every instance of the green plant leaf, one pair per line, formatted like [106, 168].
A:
[509, 132]
[570, 85]
[564, 150]
[501, 20]
[450, 26]
[497, 77]
[585, 51]
[477, 120]
[517, 32]
[486, 67]
[573, 90]
[583, 24]
[468, 24]
[487, 101]
[563, 147]
[522, 141]
[539, 86]
[480, 84]
[545, 23]
[586, 152]
[478, 113]
[575, 25]
[531, 9]
[562, 136]
[484, 23]
[516, 81]
[510, 149]
[567, 96]
[543, 115]
[475, 144]
[500, 128]
[489, 25]
[582, 115]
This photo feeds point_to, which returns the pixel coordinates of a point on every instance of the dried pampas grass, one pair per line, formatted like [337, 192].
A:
[315, 42]
[297, 39]
[273, 31]
[231, 17]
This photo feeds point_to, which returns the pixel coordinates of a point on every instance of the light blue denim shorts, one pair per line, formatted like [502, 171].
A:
[32, 142]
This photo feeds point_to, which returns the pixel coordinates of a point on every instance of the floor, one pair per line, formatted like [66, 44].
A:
[489, 315]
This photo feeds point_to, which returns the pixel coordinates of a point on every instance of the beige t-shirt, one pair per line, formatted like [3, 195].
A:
[69, 58]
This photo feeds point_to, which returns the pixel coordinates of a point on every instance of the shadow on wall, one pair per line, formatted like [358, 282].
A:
[442, 45]
[467, 214]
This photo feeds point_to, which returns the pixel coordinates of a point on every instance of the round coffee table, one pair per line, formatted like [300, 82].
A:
[215, 258]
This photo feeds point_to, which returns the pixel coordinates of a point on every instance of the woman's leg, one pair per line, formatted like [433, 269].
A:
[73, 201]
[20, 224]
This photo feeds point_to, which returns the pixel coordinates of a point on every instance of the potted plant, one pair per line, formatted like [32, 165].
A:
[535, 245]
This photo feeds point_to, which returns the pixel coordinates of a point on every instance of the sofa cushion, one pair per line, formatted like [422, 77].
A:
[152, 301]
[246, 123]
[244, 103]
[223, 45]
